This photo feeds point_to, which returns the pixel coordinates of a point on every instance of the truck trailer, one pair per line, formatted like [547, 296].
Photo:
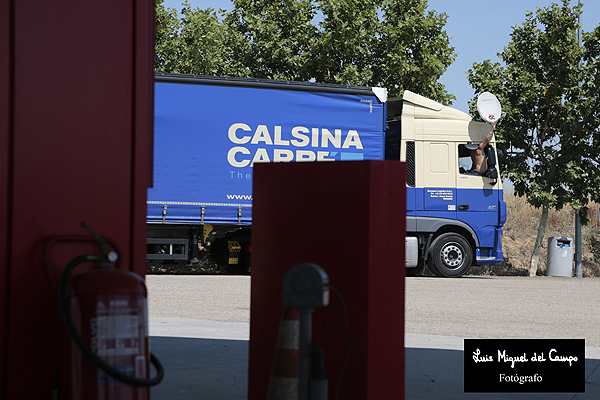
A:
[209, 132]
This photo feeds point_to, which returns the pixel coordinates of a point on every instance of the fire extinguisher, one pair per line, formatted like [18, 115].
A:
[105, 314]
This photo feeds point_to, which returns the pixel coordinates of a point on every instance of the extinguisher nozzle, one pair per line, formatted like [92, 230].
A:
[105, 258]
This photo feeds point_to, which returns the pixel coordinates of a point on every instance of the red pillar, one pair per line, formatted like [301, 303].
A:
[348, 218]
[76, 100]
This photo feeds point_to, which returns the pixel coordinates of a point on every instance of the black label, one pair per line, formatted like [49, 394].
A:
[525, 365]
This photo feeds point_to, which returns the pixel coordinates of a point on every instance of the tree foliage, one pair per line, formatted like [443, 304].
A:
[549, 87]
[195, 43]
[275, 36]
[414, 50]
[396, 44]
[167, 41]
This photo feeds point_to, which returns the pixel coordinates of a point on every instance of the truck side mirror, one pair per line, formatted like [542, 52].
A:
[491, 157]
[492, 175]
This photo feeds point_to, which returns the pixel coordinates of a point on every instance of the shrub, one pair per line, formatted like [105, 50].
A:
[520, 232]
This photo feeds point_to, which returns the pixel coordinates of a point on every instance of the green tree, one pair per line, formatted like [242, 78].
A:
[201, 42]
[413, 50]
[550, 123]
[273, 37]
[166, 45]
[396, 44]
[195, 43]
[346, 42]
[588, 118]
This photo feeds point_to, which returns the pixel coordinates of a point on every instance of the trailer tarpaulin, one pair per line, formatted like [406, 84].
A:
[207, 138]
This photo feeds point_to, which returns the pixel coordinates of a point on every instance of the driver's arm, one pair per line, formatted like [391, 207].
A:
[487, 139]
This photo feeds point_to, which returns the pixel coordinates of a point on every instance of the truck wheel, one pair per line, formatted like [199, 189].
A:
[450, 255]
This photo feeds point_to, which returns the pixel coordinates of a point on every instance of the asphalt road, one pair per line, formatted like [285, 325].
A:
[468, 307]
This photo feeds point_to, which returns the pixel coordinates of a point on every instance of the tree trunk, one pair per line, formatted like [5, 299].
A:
[535, 255]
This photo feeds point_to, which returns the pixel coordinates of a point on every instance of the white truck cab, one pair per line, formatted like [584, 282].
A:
[453, 215]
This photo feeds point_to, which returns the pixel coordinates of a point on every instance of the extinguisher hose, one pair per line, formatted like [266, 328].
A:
[84, 348]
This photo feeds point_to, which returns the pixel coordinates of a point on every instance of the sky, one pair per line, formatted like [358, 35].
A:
[479, 30]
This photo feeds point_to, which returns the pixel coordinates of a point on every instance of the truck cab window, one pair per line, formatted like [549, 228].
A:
[466, 152]
[465, 162]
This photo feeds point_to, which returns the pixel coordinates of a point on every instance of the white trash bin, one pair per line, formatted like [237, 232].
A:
[560, 257]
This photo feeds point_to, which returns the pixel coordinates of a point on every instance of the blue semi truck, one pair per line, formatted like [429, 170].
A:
[209, 132]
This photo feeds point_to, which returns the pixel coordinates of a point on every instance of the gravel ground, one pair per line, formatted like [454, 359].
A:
[505, 307]
[223, 298]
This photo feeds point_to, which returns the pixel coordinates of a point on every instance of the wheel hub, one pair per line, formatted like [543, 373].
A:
[452, 255]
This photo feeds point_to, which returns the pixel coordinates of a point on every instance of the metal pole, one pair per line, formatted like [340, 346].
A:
[305, 337]
[578, 271]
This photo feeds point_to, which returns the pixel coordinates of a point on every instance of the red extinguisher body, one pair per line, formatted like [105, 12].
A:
[109, 308]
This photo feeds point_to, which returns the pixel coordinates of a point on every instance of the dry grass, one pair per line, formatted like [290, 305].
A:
[520, 232]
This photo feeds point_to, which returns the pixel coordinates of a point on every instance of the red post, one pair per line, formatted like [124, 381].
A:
[348, 218]
[76, 101]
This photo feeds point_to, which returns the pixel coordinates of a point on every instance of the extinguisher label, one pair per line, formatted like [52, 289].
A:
[117, 335]
[116, 329]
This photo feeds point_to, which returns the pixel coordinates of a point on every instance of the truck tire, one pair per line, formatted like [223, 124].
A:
[450, 255]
